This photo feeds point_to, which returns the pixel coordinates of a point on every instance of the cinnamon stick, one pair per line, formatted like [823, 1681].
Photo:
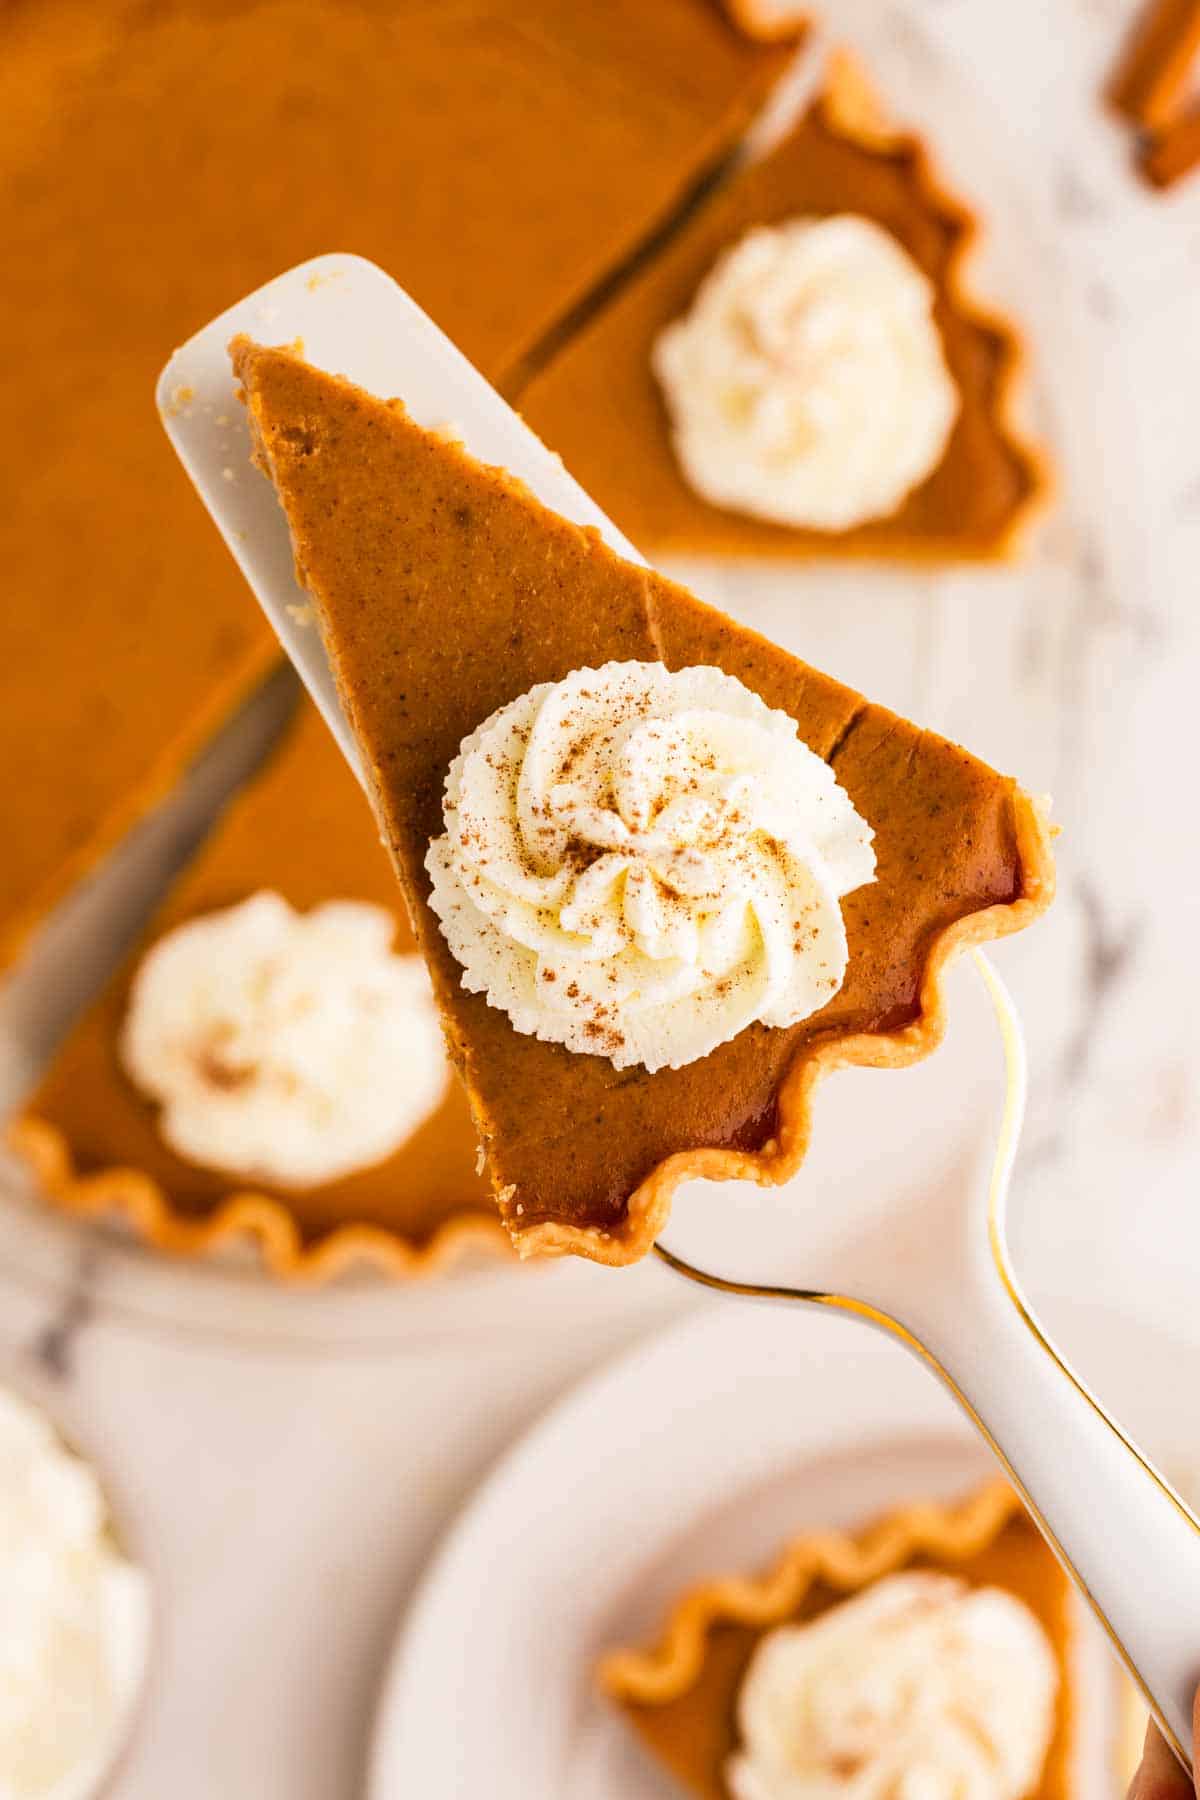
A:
[1172, 153]
[1157, 59]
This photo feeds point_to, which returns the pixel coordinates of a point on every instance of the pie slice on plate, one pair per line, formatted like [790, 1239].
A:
[94, 1137]
[824, 294]
[941, 1638]
[444, 593]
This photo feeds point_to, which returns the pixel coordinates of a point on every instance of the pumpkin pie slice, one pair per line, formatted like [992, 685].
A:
[94, 1139]
[690, 1698]
[444, 591]
[126, 637]
[846, 209]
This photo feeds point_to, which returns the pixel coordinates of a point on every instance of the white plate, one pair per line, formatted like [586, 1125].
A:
[703, 1451]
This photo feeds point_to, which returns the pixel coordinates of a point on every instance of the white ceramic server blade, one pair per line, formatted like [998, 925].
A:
[352, 319]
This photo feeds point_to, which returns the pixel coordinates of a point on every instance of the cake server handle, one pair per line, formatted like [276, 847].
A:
[1120, 1529]
[941, 1281]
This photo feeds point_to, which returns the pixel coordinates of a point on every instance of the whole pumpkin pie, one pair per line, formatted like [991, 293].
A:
[126, 636]
[803, 370]
[447, 598]
[938, 1642]
[293, 843]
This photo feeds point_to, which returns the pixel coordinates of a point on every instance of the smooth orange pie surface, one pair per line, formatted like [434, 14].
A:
[599, 404]
[399, 130]
[443, 591]
[301, 829]
[681, 1694]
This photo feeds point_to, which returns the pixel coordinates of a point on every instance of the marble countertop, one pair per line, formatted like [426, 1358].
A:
[286, 1464]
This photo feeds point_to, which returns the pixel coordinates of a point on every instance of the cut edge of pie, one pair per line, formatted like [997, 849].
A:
[851, 108]
[243, 1217]
[782, 1155]
[844, 1561]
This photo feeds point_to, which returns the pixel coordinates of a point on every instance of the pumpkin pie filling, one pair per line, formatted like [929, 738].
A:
[127, 638]
[681, 1696]
[444, 591]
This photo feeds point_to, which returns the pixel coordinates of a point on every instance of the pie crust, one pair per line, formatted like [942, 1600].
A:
[680, 1692]
[598, 402]
[245, 1218]
[91, 1142]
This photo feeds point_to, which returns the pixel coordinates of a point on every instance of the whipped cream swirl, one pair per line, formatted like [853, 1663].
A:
[285, 1047]
[807, 384]
[75, 1613]
[921, 1688]
[640, 863]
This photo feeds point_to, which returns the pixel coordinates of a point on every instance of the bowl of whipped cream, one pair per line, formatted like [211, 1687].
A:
[75, 1608]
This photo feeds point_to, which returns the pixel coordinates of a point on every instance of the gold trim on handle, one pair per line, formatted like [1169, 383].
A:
[1002, 1162]
[1006, 1148]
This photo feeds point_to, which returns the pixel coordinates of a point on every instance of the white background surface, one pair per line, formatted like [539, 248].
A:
[287, 1465]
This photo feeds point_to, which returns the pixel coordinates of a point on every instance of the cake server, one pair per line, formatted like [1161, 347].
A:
[949, 1294]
